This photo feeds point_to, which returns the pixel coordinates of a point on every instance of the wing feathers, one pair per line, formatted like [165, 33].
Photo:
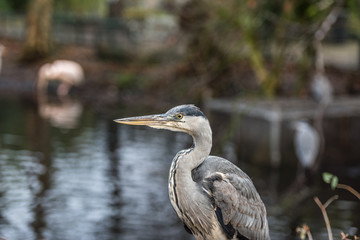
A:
[240, 204]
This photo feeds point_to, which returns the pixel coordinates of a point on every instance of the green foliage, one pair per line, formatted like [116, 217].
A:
[141, 13]
[18, 6]
[334, 183]
[80, 7]
[331, 179]
[77, 7]
[354, 16]
[4, 6]
[129, 81]
[125, 80]
[262, 33]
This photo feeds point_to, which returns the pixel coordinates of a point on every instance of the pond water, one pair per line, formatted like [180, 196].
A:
[72, 173]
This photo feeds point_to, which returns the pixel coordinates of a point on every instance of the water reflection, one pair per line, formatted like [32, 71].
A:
[62, 113]
[115, 205]
[38, 169]
[101, 180]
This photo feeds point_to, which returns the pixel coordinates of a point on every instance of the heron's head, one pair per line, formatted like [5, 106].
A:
[183, 118]
[299, 125]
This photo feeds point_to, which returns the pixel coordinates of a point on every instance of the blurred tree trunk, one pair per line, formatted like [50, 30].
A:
[38, 30]
[116, 8]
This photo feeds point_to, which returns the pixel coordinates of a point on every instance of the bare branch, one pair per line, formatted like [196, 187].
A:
[321, 32]
[330, 200]
[350, 189]
[330, 19]
[324, 213]
[304, 230]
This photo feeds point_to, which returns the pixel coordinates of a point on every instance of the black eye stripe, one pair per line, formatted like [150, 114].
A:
[186, 110]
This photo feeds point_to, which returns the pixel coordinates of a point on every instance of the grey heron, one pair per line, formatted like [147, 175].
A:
[214, 198]
[306, 142]
[321, 89]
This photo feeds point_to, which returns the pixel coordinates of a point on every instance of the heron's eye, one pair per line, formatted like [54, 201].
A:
[179, 116]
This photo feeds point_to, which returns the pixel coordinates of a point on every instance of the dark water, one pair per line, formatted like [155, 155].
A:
[72, 173]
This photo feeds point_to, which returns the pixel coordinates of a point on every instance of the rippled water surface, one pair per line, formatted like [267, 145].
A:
[85, 177]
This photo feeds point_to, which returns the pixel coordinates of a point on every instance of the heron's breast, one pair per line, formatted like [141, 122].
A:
[192, 206]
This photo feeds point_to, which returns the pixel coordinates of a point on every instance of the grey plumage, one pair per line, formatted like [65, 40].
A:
[306, 142]
[234, 193]
[214, 198]
[321, 88]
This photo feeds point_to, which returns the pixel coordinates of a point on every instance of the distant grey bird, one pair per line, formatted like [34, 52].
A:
[213, 197]
[306, 142]
[321, 88]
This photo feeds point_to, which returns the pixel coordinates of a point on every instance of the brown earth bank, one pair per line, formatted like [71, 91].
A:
[107, 81]
[159, 85]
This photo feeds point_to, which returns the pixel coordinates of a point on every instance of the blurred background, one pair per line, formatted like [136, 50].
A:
[278, 80]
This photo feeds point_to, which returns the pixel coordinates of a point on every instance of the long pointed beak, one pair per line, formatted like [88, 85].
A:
[150, 120]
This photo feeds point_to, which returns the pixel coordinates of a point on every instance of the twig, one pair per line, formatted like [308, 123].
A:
[350, 189]
[330, 200]
[308, 233]
[323, 211]
[304, 230]
[344, 236]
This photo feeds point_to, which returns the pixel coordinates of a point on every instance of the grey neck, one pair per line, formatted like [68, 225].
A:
[183, 191]
[191, 158]
[201, 149]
